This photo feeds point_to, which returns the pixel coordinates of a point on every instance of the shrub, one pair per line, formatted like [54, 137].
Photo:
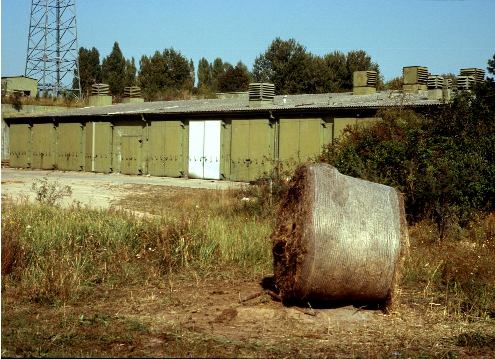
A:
[50, 193]
[443, 162]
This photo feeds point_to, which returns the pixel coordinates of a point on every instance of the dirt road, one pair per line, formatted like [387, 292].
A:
[96, 190]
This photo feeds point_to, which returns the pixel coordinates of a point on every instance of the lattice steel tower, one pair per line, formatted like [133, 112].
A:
[52, 53]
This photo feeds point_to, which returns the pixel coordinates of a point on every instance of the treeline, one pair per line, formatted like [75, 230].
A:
[170, 75]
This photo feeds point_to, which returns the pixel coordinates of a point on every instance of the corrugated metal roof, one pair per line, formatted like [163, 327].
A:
[240, 105]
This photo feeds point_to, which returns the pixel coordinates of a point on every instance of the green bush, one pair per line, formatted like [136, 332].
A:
[443, 161]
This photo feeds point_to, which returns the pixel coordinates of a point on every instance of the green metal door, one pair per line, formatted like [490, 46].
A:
[251, 149]
[130, 149]
[127, 148]
[300, 140]
[70, 147]
[174, 159]
[98, 149]
[20, 145]
[156, 155]
[43, 144]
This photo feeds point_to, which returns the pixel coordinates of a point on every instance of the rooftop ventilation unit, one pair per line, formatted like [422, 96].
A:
[465, 82]
[477, 74]
[132, 91]
[415, 75]
[364, 78]
[435, 82]
[261, 91]
[100, 89]
[364, 82]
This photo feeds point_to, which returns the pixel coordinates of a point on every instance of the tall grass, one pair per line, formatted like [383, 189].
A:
[55, 254]
[458, 271]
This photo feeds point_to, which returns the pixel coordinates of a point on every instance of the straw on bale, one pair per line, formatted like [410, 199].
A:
[338, 238]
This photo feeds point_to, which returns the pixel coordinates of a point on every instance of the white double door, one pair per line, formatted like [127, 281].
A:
[204, 149]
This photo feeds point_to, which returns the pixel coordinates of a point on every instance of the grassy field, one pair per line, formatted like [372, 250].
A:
[165, 276]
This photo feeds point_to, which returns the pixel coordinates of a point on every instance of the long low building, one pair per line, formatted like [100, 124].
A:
[239, 139]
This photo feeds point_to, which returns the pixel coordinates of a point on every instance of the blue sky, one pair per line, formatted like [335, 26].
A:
[444, 35]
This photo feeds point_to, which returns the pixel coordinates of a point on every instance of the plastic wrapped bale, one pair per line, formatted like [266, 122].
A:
[338, 239]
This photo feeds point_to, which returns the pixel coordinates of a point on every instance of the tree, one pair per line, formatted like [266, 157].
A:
[204, 73]
[130, 73]
[285, 64]
[162, 72]
[491, 66]
[336, 63]
[234, 79]
[113, 69]
[192, 72]
[358, 61]
[89, 69]
[217, 70]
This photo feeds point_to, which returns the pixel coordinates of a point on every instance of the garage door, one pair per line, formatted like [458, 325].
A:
[166, 147]
[70, 147]
[43, 145]
[20, 145]
[251, 149]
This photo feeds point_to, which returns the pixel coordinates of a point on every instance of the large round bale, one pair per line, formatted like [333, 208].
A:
[338, 238]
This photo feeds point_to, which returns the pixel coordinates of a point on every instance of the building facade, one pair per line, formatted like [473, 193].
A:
[233, 139]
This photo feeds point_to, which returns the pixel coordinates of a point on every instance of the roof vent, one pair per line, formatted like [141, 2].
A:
[435, 82]
[132, 91]
[477, 74]
[261, 91]
[364, 82]
[100, 89]
[415, 79]
[465, 82]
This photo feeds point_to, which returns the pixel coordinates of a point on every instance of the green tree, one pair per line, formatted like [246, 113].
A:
[234, 79]
[336, 63]
[217, 70]
[130, 73]
[89, 69]
[491, 66]
[443, 162]
[113, 69]
[358, 60]
[285, 63]
[164, 74]
[192, 72]
[204, 73]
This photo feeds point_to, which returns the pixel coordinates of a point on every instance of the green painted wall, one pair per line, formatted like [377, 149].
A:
[70, 155]
[341, 123]
[20, 145]
[43, 140]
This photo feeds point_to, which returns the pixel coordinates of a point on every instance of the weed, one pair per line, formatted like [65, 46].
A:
[50, 193]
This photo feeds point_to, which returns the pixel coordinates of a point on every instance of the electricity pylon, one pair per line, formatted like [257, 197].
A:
[52, 53]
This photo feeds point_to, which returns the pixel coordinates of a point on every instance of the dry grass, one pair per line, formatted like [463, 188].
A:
[80, 282]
